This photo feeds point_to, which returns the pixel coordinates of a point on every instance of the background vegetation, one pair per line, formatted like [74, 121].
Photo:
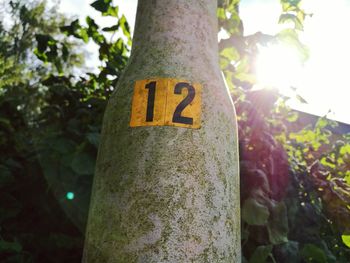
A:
[295, 184]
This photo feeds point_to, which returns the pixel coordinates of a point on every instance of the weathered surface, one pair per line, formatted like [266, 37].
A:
[168, 194]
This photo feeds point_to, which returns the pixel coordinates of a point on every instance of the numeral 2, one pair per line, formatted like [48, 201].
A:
[183, 104]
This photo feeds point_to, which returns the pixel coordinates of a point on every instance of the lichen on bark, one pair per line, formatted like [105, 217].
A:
[168, 194]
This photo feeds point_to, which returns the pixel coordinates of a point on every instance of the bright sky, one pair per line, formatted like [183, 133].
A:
[323, 81]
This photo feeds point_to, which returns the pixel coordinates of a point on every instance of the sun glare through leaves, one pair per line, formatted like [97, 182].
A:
[278, 66]
[322, 79]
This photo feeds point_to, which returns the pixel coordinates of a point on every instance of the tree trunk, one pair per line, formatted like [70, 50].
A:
[164, 193]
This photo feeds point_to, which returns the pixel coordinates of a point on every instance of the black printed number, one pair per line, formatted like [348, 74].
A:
[183, 104]
[150, 101]
[177, 117]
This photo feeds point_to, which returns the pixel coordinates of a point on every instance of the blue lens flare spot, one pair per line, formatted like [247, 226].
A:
[70, 195]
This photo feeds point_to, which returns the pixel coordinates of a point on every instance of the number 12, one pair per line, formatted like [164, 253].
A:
[170, 102]
[177, 117]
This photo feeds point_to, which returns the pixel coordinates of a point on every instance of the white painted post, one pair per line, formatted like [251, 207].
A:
[168, 193]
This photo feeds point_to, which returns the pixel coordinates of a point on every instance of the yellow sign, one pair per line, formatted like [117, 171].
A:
[171, 102]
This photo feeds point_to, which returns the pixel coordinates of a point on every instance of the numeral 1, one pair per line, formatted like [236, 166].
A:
[150, 101]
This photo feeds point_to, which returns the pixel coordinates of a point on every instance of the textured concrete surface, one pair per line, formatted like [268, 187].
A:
[168, 194]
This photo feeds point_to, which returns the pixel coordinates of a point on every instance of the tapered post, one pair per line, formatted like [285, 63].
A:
[166, 187]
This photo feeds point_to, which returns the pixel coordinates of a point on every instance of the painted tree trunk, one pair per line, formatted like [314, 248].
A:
[164, 193]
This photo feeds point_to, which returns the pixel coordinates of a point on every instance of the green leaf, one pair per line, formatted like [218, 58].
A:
[321, 123]
[290, 37]
[61, 145]
[347, 179]
[112, 11]
[230, 53]
[244, 234]
[65, 52]
[304, 136]
[83, 34]
[301, 99]
[254, 213]
[83, 163]
[292, 116]
[221, 13]
[345, 149]
[47, 49]
[125, 26]
[289, 252]
[111, 29]
[260, 254]
[42, 41]
[290, 5]
[39, 51]
[312, 253]
[5, 123]
[71, 29]
[105, 7]
[101, 5]
[278, 224]
[93, 138]
[91, 23]
[49, 162]
[5, 176]
[6, 246]
[346, 240]
[286, 18]
[9, 206]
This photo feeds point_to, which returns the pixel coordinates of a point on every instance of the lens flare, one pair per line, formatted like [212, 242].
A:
[70, 195]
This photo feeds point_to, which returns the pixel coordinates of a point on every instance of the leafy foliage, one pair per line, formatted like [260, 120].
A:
[49, 131]
[295, 192]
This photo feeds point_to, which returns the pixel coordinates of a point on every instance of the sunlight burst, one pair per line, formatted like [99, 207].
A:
[278, 66]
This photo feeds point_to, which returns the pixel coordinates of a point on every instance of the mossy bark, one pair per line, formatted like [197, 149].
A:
[168, 194]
